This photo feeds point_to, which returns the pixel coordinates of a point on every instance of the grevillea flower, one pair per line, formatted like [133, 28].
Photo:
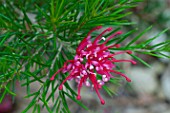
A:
[93, 59]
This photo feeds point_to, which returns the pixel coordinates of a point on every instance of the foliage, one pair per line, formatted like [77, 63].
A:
[37, 37]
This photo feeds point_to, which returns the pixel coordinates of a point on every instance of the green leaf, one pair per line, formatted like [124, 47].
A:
[34, 110]
[3, 95]
[78, 102]
[139, 59]
[9, 91]
[52, 93]
[150, 53]
[64, 102]
[38, 108]
[58, 107]
[125, 35]
[139, 36]
[109, 91]
[29, 74]
[147, 42]
[32, 94]
[32, 103]
[46, 105]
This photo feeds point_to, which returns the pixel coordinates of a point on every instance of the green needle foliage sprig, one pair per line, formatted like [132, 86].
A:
[37, 37]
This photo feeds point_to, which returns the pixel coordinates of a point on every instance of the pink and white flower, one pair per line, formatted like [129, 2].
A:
[93, 59]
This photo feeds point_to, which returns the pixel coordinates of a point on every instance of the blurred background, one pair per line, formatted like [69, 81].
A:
[149, 91]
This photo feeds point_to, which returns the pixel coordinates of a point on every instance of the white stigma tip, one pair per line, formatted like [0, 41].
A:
[84, 72]
[87, 83]
[101, 83]
[105, 55]
[97, 48]
[81, 59]
[91, 67]
[97, 68]
[78, 63]
[98, 81]
[100, 58]
[89, 45]
[104, 76]
[87, 56]
[105, 79]
[95, 54]
[103, 38]
[78, 77]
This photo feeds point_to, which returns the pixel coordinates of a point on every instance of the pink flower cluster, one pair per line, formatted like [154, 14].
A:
[92, 60]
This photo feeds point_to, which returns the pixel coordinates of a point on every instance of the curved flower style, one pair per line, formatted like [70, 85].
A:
[93, 58]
